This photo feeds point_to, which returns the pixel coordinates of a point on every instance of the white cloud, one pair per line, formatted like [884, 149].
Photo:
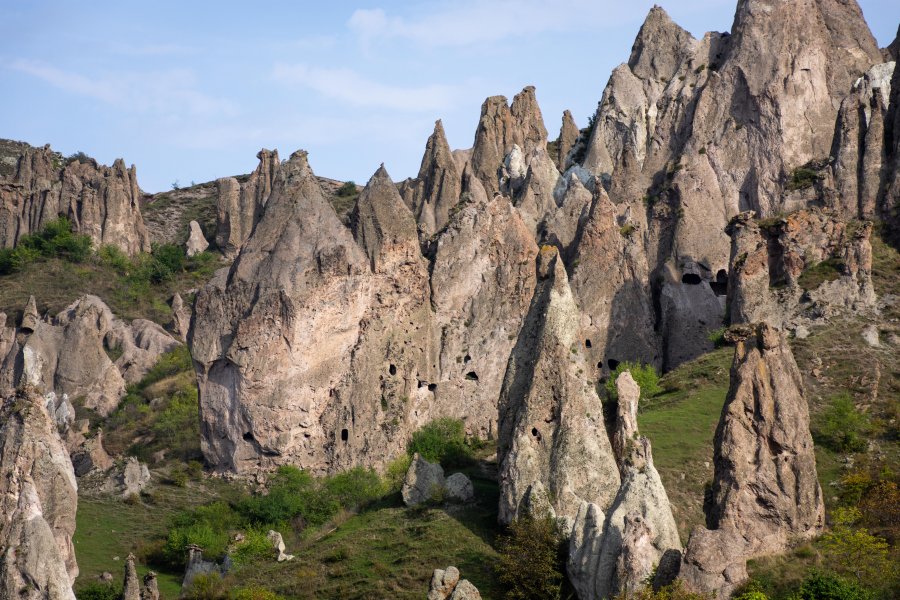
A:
[349, 87]
[173, 92]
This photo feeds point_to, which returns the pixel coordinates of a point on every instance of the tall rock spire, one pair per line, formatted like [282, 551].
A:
[437, 188]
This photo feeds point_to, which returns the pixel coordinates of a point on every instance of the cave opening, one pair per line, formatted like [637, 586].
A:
[587, 343]
[612, 364]
[691, 279]
[392, 369]
[720, 285]
[345, 435]
[472, 376]
[432, 387]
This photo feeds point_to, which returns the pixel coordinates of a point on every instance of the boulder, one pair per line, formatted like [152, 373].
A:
[91, 456]
[459, 488]
[423, 483]
[446, 585]
[38, 500]
[196, 242]
[130, 479]
[277, 542]
[550, 418]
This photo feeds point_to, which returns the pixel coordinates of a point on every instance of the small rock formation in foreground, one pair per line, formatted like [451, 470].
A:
[615, 553]
[447, 585]
[765, 493]
[551, 435]
[38, 500]
[196, 242]
[425, 482]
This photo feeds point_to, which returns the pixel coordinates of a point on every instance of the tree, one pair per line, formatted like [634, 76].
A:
[853, 550]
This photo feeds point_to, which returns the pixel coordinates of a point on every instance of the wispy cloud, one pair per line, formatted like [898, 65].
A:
[170, 92]
[349, 87]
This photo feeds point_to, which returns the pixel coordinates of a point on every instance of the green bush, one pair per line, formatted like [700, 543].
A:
[177, 427]
[56, 239]
[852, 550]
[347, 190]
[171, 363]
[819, 585]
[444, 441]
[206, 586]
[717, 337]
[644, 375]
[255, 548]
[396, 473]
[802, 178]
[97, 590]
[206, 526]
[674, 591]
[841, 427]
[292, 494]
[355, 488]
[531, 559]
[254, 593]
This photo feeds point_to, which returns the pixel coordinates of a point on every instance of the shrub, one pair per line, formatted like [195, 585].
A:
[206, 586]
[802, 178]
[354, 488]
[254, 593]
[347, 190]
[255, 547]
[675, 591]
[292, 493]
[853, 550]
[531, 559]
[841, 427]
[443, 441]
[206, 526]
[819, 585]
[644, 375]
[396, 473]
[171, 363]
[56, 239]
[97, 590]
[177, 427]
[717, 337]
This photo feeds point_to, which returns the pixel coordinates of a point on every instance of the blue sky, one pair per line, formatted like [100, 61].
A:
[190, 91]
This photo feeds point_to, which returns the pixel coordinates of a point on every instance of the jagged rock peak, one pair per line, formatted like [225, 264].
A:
[659, 47]
[568, 135]
[383, 225]
[527, 113]
[239, 206]
[436, 190]
[551, 433]
[38, 500]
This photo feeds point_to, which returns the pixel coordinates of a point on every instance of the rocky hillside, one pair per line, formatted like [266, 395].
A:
[659, 353]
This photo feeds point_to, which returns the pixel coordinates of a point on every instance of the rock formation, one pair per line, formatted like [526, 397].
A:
[100, 201]
[615, 553]
[38, 499]
[446, 585]
[763, 505]
[550, 418]
[437, 188]
[131, 589]
[807, 265]
[568, 135]
[424, 481]
[239, 205]
[278, 546]
[70, 355]
[196, 242]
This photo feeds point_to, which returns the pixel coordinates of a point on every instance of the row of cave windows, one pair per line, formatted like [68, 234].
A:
[719, 286]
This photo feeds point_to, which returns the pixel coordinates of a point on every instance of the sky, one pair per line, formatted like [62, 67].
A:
[190, 91]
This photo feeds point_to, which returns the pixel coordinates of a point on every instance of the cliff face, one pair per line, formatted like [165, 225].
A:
[38, 499]
[100, 201]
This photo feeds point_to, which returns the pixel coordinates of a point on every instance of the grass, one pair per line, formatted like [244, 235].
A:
[110, 528]
[813, 276]
[680, 423]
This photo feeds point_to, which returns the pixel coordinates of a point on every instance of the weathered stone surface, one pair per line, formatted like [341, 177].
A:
[239, 205]
[563, 224]
[151, 588]
[459, 488]
[550, 418]
[91, 456]
[615, 553]
[30, 316]
[858, 149]
[129, 479]
[446, 585]
[38, 500]
[568, 135]
[277, 542]
[501, 126]
[70, 355]
[424, 482]
[767, 263]
[197, 566]
[131, 590]
[100, 201]
[181, 316]
[763, 505]
[196, 242]
[610, 280]
[437, 188]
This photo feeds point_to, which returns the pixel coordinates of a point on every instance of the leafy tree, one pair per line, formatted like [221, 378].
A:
[841, 427]
[644, 375]
[819, 585]
[853, 550]
[531, 559]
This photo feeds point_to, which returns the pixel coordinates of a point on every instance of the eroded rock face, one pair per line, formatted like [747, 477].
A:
[501, 125]
[437, 188]
[805, 266]
[568, 135]
[239, 205]
[550, 417]
[69, 356]
[615, 553]
[196, 242]
[424, 481]
[38, 500]
[100, 201]
[446, 585]
[763, 505]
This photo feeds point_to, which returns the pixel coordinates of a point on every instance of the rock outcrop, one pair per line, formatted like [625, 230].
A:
[551, 433]
[447, 585]
[38, 500]
[72, 354]
[803, 267]
[765, 494]
[615, 553]
[568, 135]
[102, 202]
[437, 188]
[239, 204]
[196, 242]
[424, 482]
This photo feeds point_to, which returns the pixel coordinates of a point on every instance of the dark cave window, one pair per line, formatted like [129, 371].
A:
[432, 387]
[691, 279]
[248, 437]
[587, 343]
[612, 363]
[345, 435]
[392, 369]
[472, 376]
[720, 285]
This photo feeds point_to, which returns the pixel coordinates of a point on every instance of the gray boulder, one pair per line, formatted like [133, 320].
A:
[424, 482]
